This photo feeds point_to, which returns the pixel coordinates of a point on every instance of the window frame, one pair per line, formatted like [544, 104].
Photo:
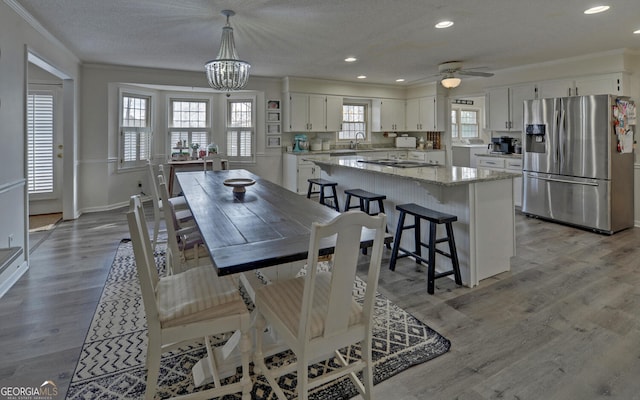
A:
[174, 97]
[459, 124]
[149, 129]
[252, 129]
[367, 108]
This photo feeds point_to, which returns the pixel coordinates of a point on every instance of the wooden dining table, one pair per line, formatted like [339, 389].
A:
[188, 165]
[267, 225]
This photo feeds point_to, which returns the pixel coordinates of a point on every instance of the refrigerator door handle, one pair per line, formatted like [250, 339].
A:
[562, 132]
[542, 178]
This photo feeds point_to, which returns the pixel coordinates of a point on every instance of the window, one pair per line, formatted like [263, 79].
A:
[464, 123]
[240, 132]
[135, 130]
[40, 142]
[354, 120]
[189, 122]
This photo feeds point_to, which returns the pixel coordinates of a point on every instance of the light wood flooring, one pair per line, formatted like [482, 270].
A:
[564, 323]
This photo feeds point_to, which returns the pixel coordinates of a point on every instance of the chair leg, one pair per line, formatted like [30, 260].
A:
[431, 272]
[153, 365]
[303, 378]
[347, 202]
[396, 241]
[156, 227]
[454, 254]
[417, 238]
[367, 372]
[245, 353]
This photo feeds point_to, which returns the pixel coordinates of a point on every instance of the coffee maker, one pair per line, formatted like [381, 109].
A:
[503, 144]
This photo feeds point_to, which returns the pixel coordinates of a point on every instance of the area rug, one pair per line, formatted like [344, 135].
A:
[112, 360]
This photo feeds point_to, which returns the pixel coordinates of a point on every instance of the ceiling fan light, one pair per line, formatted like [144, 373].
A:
[450, 81]
[227, 72]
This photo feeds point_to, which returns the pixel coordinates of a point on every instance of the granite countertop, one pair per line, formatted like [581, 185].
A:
[437, 175]
[338, 151]
[512, 155]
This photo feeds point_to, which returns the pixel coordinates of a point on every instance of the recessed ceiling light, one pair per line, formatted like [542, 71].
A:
[444, 24]
[400, 80]
[350, 59]
[637, 32]
[597, 9]
[362, 77]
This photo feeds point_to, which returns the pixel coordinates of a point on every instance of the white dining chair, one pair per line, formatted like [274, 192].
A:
[185, 247]
[184, 215]
[316, 315]
[185, 307]
[215, 161]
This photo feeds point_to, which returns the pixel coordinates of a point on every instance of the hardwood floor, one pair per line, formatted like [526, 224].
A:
[564, 323]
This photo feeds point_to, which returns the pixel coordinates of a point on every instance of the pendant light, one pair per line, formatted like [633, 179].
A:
[227, 72]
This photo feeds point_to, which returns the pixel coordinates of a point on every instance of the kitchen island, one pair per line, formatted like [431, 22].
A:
[482, 200]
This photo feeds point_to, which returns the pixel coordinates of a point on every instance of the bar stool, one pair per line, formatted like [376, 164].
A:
[365, 198]
[434, 217]
[323, 183]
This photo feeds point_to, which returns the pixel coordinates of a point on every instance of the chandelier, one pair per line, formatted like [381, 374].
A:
[227, 72]
[449, 81]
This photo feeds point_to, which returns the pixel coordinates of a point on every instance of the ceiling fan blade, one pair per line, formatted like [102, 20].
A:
[474, 73]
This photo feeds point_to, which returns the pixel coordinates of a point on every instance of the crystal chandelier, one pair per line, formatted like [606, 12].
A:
[227, 72]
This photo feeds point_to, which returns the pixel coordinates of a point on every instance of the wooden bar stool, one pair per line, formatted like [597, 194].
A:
[365, 198]
[434, 217]
[323, 183]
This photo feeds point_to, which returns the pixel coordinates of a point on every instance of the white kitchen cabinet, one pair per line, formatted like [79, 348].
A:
[466, 155]
[425, 114]
[296, 170]
[431, 157]
[506, 164]
[506, 106]
[388, 115]
[312, 113]
[615, 83]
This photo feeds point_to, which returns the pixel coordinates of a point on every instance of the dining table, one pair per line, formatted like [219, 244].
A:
[264, 227]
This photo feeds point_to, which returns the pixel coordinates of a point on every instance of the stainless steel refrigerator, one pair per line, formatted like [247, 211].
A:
[574, 171]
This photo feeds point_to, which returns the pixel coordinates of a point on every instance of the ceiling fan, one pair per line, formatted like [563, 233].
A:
[450, 71]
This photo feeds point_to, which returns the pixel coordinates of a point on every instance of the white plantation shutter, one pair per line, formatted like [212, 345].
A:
[189, 122]
[240, 130]
[135, 130]
[40, 142]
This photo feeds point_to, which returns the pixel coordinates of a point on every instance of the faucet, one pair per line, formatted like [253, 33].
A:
[359, 133]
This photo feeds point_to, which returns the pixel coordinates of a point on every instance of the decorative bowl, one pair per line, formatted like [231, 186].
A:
[239, 184]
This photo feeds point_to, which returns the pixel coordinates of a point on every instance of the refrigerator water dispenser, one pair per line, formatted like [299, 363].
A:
[535, 136]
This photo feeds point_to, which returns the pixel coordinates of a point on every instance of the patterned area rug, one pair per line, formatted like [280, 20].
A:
[112, 361]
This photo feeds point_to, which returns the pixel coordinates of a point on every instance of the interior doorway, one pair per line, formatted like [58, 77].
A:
[49, 143]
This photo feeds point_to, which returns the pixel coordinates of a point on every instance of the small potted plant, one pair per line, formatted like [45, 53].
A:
[194, 152]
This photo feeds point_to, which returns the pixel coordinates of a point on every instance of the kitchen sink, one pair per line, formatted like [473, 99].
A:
[389, 162]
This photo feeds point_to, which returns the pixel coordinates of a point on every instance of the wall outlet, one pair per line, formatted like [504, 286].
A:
[10, 239]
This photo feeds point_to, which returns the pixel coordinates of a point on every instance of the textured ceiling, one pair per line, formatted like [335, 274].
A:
[311, 38]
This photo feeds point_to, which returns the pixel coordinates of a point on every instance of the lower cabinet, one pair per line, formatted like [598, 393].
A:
[432, 157]
[506, 164]
[296, 171]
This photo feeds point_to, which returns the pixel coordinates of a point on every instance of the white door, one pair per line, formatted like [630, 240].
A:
[44, 149]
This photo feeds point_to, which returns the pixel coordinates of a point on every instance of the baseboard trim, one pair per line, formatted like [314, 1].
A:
[13, 278]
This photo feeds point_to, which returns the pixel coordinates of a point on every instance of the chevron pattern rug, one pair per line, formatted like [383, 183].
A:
[112, 360]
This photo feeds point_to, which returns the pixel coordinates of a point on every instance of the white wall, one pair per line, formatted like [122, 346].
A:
[16, 36]
[103, 185]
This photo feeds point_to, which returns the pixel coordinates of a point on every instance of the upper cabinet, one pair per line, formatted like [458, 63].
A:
[388, 115]
[312, 113]
[614, 83]
[425, 114]
[506, 106]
